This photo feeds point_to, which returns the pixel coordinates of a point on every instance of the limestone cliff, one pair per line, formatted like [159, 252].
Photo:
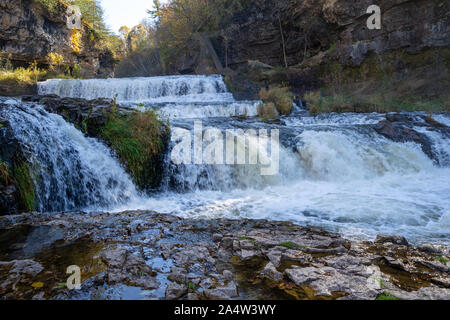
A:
[317, 37]
[29, 31]
[318, 25]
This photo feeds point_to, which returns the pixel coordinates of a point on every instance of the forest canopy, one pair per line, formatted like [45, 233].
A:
[153, 46]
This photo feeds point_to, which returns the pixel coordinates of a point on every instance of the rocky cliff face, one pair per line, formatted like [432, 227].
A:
[318, 25]
[29, 32]
[325, 42]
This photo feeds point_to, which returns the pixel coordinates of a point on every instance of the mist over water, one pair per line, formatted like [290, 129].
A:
[335, 170]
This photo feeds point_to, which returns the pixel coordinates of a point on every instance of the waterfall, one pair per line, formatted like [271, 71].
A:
[171, 96]
[142, 90]
[335, 170]
[70, 171]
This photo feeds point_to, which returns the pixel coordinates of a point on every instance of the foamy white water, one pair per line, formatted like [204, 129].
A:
[337, 182]
[335, 170]
[70, 171]
[142, 90]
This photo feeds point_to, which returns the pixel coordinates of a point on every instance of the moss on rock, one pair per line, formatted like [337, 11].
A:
[24, 184]
[140, 140]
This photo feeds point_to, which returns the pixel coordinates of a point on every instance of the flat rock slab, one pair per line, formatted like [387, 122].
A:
[160, 256]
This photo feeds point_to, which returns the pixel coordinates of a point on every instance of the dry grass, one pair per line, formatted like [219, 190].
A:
[323, 102]
[267, 111]
[25, 76]
[280, 97]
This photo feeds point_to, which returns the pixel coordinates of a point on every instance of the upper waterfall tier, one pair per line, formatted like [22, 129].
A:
[167, 89]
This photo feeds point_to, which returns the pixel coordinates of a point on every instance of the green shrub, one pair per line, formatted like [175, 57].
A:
[50, 5]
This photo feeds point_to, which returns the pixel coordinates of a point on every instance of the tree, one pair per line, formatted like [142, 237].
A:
[92, 14]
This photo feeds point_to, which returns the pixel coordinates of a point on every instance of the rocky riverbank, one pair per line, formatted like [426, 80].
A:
[146, 255]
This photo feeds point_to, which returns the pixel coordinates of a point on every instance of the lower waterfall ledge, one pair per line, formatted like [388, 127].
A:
[147, 255]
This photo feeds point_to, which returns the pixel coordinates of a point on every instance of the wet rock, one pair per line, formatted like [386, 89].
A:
[393, 262]
[398, 240]
[305, 260]
[39, 296]
[24, 267]
[217, 237]
[193, 296]
[436, 265]
[191, 255]
[227, 242]
[236, 245]
[206, 283]
[246, 244]
[301, 276]
[177, 277]
[339, 250]
[247, 254]
[114, 258]
[215, 294]
[123, 266]
[296, 255]
[425, 293]
[429, 248]
[16, 271]
[228, 275]
[274, 257]
[326, 280]
[229, 290]
[351, 264]
[271, 272]
[222, 293]
[145, 282]
[175, 291]
[400, 132]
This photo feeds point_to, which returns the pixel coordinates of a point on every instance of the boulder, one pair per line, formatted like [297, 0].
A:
[271, 272]
[398, 240]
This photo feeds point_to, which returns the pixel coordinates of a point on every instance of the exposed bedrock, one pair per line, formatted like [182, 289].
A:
[145, 255]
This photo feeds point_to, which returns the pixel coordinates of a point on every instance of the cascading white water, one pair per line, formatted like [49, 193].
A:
[70, 171]
[360, 184]
[142, 90]
[171, 96]
[335, 170]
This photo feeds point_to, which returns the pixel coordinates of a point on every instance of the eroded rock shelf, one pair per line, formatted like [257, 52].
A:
[146, 255]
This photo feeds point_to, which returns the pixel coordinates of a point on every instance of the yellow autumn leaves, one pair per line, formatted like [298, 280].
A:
[76, 40]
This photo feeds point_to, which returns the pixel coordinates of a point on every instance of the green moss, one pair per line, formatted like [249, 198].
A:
[443, 260]
[291, 245]
[387, 296]
[24, 186]
[139, 139]
[287, 244]
[191, 286]
[5, 174]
